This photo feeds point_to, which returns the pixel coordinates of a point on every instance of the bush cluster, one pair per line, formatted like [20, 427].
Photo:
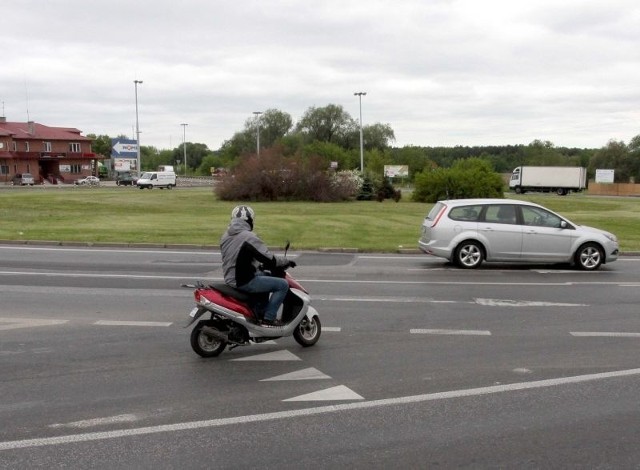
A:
[273, 177]
[471, 178]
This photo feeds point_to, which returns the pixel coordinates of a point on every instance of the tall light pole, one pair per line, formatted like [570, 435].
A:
[257, 113]
[360, 94]
[135, 83]
[184, 145]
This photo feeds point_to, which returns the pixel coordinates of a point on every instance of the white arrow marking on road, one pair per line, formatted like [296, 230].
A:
[334, 393]
[15, 323]
[523, 303]
[310, 373]
[272, 356]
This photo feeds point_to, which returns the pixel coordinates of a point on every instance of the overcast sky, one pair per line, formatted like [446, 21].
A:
[439, 72]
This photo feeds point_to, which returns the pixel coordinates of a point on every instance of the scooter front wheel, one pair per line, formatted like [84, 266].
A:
[307, 333]
[206, 345]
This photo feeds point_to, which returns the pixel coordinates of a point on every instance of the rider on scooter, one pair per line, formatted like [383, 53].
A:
[242, 250]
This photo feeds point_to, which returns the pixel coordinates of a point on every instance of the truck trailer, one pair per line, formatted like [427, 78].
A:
[558, 179]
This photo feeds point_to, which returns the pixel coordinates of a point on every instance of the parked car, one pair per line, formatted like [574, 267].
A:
[88, 181]
[470, 231]
[126, 179]
[23, 179]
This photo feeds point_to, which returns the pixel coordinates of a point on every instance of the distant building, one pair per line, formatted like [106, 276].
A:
[51, 154]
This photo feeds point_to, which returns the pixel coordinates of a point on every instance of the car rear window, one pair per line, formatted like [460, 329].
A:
[465, 213]
[435, 210]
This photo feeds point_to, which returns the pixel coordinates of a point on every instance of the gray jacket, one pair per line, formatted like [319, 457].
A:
[242, 251]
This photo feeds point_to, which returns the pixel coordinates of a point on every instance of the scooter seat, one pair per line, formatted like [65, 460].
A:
[231, 292]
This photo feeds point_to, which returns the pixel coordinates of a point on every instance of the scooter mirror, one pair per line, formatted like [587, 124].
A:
[286, 247]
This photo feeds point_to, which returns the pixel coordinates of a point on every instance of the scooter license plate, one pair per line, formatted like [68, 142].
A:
[193, 312]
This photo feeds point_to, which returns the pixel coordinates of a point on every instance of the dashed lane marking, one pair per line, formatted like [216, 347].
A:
[604, 334]
[15, 323]
[421, 331]
[131, 323]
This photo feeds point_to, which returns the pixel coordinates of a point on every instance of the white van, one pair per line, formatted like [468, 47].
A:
[157, 179]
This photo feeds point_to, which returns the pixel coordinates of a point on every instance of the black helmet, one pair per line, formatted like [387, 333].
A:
[244, 213]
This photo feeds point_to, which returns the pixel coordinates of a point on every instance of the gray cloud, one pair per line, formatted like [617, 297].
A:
[440, 72]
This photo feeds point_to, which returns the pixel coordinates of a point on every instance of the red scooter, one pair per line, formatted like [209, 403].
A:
[233, 320]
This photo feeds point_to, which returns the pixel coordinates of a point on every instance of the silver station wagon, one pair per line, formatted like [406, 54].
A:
[470, 231]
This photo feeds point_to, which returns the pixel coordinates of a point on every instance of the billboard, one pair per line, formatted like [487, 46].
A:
[392, 171]
[124, 148]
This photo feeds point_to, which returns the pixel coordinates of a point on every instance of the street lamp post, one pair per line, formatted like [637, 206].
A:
[135, 84]
[257, 113]
[360, 94]
[184, 145]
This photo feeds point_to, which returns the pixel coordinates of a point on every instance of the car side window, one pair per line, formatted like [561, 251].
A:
[538, 217]
[465, 213]
[501, 214]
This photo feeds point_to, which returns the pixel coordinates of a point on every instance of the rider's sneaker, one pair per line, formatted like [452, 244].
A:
[266, 322]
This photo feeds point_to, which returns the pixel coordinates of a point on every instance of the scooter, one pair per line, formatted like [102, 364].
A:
[234, 319]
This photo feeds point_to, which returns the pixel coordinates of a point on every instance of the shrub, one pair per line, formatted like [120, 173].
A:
[470, 178]
[273, 177]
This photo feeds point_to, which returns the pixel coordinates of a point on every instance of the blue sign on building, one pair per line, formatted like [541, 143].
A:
[124, 148]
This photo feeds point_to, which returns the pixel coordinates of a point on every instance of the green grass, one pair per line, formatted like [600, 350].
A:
[195, 217]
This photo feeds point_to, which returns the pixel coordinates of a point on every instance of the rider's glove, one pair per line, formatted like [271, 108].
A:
[282, 262]
[292, 264]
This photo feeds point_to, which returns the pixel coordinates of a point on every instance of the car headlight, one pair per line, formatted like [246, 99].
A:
[611, 237]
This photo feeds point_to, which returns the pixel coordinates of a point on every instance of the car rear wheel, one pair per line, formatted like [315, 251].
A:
[469, 255]
[589, 257]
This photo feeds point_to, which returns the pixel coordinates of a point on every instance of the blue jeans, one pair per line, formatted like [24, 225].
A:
[277, 286]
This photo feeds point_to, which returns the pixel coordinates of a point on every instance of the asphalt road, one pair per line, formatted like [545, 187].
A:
[420, 365]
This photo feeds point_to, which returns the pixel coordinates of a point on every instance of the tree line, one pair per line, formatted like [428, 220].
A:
[330, 134]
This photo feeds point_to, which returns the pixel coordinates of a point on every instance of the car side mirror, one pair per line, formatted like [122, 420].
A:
[563, 224]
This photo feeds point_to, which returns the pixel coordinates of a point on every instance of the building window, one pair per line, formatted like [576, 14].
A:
[26, 146]
[15, 146]
[74, 147]
[47, 146]
[1, 145]
[4, 169]
[76, 169]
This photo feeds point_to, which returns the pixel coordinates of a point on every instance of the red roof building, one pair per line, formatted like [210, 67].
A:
[50, 154]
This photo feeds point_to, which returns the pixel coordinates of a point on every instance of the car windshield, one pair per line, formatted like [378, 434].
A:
[146, 176]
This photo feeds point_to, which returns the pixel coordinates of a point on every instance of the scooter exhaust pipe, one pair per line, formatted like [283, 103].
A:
[213, 333]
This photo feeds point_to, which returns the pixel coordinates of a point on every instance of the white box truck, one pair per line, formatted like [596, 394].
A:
[557, 179]
[157, 179]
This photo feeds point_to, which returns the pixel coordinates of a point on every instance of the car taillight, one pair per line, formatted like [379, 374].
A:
[440, 214]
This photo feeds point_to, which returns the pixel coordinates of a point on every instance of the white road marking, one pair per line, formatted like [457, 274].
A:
[330, 394]
[310, 373]
[336, 329]
[283, 355]
[131, 323]
[524, 303]
[89, 423]
[603, 334]
[450, 332]
[290, 414]
[15, 323]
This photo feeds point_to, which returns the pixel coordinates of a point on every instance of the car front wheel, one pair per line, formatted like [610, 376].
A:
[469, 255]
[589, 257]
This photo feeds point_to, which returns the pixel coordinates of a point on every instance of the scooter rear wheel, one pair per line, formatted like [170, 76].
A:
[307, 333]
[206, 345]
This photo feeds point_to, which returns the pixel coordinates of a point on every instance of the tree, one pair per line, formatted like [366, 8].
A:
[377, 136]
[274, 125]
[328, 124]
[195, 154]
[101, 144]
